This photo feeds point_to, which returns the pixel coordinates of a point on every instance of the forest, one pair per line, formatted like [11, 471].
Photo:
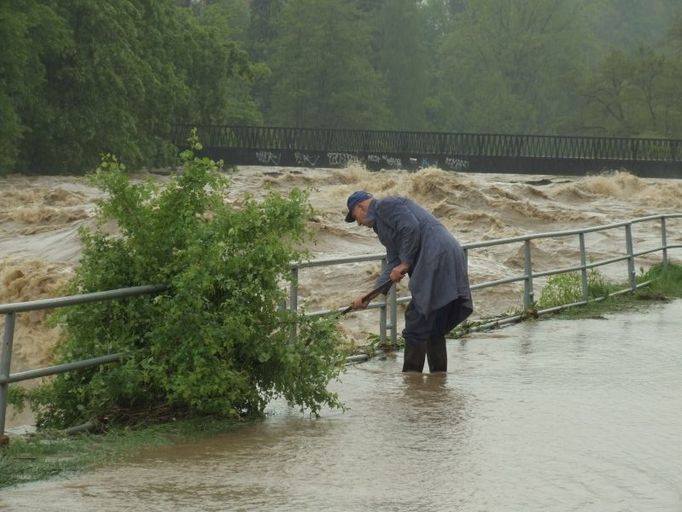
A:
[84, 78]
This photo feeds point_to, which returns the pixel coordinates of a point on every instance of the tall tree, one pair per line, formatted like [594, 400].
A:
[509, 66]
[30, 32]
[627, 24]
[263, 27]
[403, 61]
[260, 36]
[87, 77]
[111, 88]
[632, 93]
[321, 71]
[220, 74]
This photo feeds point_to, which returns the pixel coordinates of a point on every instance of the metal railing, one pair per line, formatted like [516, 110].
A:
[237, 145]
[433, 143]
[388, 308]
[10, 311]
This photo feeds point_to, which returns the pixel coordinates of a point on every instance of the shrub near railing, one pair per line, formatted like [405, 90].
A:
[568, 288]
[216, 342]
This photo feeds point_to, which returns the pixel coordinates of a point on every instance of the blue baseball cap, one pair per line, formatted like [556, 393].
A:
[356, 197]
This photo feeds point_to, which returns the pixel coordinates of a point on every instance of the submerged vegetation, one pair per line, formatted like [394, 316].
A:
[664, 284]
[665, 279]
[51, 453]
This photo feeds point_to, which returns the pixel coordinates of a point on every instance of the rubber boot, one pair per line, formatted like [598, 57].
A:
[415, 353]
[437, 354]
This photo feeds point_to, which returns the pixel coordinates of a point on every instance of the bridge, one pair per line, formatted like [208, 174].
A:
[464, 152]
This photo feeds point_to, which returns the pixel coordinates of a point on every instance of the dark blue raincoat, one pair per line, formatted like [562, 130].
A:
[438, 266]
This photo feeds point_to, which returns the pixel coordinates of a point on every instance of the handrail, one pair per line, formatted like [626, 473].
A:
[460, 152]
[275, 138]
[388, 307]
[568, 232]
[71, 300]
[527, 276]
[10, 311]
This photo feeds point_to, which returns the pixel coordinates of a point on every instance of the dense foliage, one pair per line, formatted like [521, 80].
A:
[86, 77]
[217, 341]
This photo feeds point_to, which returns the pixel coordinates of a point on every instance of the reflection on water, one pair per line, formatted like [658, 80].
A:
[552, 415]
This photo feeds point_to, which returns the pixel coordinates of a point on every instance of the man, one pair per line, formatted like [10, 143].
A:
[418, 245]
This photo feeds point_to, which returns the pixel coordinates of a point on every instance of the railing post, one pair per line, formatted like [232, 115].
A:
[293, 290]
[583, 269]
[664, 243]
[382, 313]
[631, 258]
[5, 363]
[528, 299]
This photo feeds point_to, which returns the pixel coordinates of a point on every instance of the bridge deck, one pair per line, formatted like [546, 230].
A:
[317, 147]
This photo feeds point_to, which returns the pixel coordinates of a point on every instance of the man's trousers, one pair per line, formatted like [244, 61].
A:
[425, 336]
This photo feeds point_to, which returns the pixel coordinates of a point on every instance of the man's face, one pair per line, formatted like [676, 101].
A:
[360, 213]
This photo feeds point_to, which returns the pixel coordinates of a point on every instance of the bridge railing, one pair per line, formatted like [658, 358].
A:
[434, 143]
[388, 319]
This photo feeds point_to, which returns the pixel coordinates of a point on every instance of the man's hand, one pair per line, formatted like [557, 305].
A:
[360, 302]
[399, 272]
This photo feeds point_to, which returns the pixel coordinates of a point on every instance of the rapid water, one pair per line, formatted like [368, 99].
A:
[540, 416]
[40, 217]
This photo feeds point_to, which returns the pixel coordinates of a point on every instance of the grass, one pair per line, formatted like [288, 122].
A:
[50, 454]
[567, 288]
[666, 284]
[616, 303]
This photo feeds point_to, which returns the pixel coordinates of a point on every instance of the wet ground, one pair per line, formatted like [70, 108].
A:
[552, 415]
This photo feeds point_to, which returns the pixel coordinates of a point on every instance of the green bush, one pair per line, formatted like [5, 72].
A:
[216, 341]
[567, 288]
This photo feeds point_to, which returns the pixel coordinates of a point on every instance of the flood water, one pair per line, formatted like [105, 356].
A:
[554, 415]
[40, 218]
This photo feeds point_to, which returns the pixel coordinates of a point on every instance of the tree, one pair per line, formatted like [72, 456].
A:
[632, 94]
[30, 32]
[509, 66]
[606, 94]
[321, 70]
[216, 342]
[627, 24]
[113, 90]
[260, 36]
[219, 59]
[263, 26]
[403, 61]
[88, 77]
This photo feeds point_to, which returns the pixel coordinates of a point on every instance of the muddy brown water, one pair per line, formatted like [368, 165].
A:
[555, 415]
[40, 217]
